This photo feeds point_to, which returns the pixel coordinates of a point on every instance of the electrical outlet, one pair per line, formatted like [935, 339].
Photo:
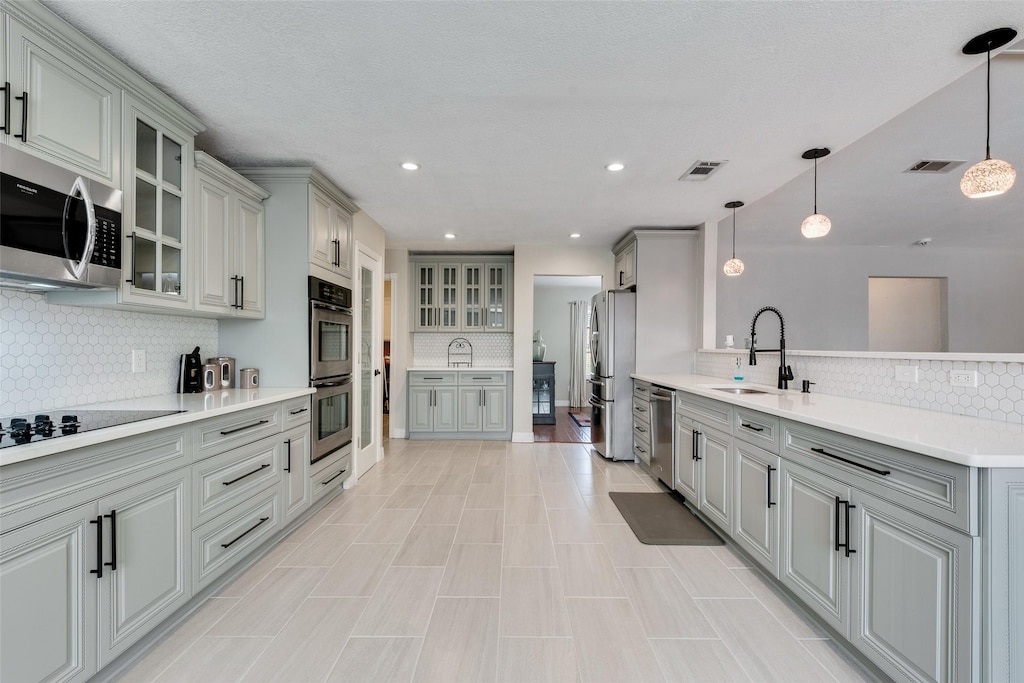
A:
[907, 374]
[964, 378]
[138, 360]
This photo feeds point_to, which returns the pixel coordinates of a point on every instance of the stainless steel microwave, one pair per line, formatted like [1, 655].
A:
[58, 230]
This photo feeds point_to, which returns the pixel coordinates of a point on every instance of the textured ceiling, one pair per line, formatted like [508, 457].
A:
[514, 108]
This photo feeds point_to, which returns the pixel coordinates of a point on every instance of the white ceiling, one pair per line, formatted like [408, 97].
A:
[514, 108]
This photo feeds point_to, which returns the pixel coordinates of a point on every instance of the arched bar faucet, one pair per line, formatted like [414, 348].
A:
[785, 372]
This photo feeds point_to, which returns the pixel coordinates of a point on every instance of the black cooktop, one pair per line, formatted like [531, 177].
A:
[15, 431]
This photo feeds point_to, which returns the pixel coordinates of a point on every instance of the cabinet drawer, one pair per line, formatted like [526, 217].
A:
[295, 412]
[219, 544]
[641, 429]
[331, 479]
[943, 491]
[218, 435]
[756, 428]
[433, 378]
[227, 479]
[641, 391]
[641, 448]
[705, 410]
[641, 410]
[481, 378]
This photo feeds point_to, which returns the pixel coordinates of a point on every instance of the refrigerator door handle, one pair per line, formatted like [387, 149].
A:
[595, 381]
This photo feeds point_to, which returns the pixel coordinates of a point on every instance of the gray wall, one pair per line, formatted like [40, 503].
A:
[823, 293]
[551, 317]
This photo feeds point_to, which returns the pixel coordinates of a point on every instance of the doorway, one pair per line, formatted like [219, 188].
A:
[561, 312]
[369, 287]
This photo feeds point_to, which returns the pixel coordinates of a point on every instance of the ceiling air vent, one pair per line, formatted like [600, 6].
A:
[702, 170]
[931, 166]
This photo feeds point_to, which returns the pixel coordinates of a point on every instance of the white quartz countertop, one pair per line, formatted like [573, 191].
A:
[971, 441]
[196, 406]
[475, 368]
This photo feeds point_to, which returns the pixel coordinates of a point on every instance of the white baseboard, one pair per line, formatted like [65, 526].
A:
[522, 437]
[562, 403]
[397, 433]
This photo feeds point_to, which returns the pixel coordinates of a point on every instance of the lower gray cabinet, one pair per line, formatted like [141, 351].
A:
[295, 484]
[716, 478]
[432, 409]
[148, 528]
[914, 581]
[482, 409]
[757, 504]
[48, 620]
[685, 451]
[813, 561]
[458, 404]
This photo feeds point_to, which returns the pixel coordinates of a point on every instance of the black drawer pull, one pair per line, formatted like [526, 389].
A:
[771, 503]
[641, 409]
[641, 429]
[113, 541]
[639, 449]
[288, 466]
[325, 483]
[248, 474]
[240, 429]
[99, 547]
[245, 533]
[23, 136]
[751, 427]
[822, 451]
[6, 128]
[434, 378]
[488, 377]
[297, 412]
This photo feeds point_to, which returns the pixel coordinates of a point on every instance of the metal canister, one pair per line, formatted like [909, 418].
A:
[227, 371]
[249, 378]
[211, 377]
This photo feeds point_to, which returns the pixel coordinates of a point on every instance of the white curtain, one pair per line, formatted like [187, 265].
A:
[579, 311]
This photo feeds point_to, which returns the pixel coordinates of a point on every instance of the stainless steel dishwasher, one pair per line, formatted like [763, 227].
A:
[662, 464]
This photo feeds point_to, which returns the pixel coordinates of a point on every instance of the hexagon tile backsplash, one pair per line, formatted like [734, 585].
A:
[490, 349]
[998, 396]
[56, 355]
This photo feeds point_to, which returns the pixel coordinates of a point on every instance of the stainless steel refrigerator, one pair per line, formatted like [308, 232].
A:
[612, 350]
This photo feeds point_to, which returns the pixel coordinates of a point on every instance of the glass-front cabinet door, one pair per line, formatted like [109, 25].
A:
[497, 294]
[448, 297]
[472, 296]
[155, 211]
[425, 296]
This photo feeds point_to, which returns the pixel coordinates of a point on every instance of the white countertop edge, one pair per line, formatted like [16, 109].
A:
[895, 355]
[197, 406]
[960, 439]
[445, 368]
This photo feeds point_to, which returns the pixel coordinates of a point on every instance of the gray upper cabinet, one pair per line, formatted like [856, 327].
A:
[757, 504]
[625, 265]
[61, 108]
[47, 624]
[330, 234]
[461, 294]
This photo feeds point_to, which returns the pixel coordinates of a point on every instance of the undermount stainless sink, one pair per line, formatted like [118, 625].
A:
[739, 390]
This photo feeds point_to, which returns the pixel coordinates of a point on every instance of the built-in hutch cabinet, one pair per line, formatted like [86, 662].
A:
[459, 404]
[461, 293]
[228, 230]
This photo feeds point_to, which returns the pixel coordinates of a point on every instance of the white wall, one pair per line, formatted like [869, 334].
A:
[823, 293]
[396, 261]
[551, 317]
[531, 260]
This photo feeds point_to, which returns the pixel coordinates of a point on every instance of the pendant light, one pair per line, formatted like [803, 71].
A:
[733, 266]
[990, 177]
[817, 224]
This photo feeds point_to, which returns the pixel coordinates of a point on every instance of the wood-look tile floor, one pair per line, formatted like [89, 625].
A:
[490, 561]
[565, 429]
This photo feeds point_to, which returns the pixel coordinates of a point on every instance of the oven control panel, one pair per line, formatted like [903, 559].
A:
[329, 293]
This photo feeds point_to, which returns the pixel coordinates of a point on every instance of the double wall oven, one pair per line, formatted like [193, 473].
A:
[330, 365]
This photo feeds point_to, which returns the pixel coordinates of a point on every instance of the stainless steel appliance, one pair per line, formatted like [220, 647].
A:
[58, 230]
[662, 463]
[330, 366]
[15, 431]
[330, 330]
[612, 349]
[225, 371]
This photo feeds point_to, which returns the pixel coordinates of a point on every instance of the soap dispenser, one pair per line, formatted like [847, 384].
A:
[737, 373]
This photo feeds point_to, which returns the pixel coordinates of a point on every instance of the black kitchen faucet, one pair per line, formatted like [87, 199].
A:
[785, 372]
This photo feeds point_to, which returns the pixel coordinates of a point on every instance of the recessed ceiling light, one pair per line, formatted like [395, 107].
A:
[411, 166]
[575, 235]
[449, 235]
[615, 166]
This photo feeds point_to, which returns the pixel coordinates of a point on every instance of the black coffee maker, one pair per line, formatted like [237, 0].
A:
[190, 373]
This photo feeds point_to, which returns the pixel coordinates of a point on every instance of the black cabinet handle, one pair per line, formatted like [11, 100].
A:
[7, 108]
[337, 252]
[483, 397]
[846, 546]
[751, 427]
[641, 429]
[434, 378]
[835, 525]
[822, 451]
[639, 449]
[241, 299]
[245, 533]
[298, 411]
[641, 409]
[24, 117]
[696, 445]
[288, 457]
[131, 280]
[234, 290]
[239, 429]
[622, 273]
[248, 474]
[113, 541]
[325, 483]
[771, 503]
[99, 547]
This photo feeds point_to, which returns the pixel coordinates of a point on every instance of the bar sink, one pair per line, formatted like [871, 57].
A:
[739, 390]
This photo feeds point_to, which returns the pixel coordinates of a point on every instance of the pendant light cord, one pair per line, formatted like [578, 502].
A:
[815, 184]
[988, 101]
[734, 232]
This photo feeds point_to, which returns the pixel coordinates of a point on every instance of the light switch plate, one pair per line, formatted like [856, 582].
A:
[907, 374]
